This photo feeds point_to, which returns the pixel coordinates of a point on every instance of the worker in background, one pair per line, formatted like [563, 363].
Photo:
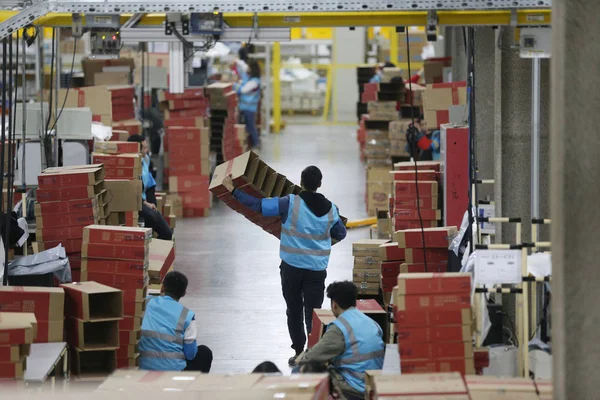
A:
[309, 222]
[248, 90]
[168, 337]
[352, 344]
[422, 145]
[149, 213]
[378, 72]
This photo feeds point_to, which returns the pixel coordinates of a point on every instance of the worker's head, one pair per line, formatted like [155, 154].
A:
[343, 296]
[243, 53]
[174, 285]
[389, 65]
[253, 68]
[266, 367]
[142, 141]
[311, 179]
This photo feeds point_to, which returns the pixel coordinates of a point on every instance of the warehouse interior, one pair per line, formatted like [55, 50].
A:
[143, 144]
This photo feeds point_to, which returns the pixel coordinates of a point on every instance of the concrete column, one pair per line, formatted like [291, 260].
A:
[516, 137]
[574, 170]
[458, 53]
[348, 48]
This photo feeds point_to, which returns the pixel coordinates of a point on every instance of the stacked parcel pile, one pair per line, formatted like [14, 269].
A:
[397, 134]
[489, 387]
[434, 322]
[439, 98]
[123, 180]
[391, 257]
[449, 385]
[68, 199]
[379, 188]
[223, 115]
[94, 312]
[367, 266]
[405, 213]
[179, 106]
[189, 168]
[234, 140]
[435, 247]
[17, 332]
[363, 75]
[119, 257]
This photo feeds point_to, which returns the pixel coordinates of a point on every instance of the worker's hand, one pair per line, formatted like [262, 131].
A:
[150, 205]
[228, 183]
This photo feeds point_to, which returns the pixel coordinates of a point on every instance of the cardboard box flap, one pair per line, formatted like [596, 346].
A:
[162, 255]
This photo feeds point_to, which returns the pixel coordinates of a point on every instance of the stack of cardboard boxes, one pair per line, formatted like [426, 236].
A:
[223, 115]
[436, 245]
[434, 322]
[397, 133]
[17, 332]
[119, 257]
[405, 213]
[366, 273]
[68, 199]
[255, 177]
[391, 257]
[123, 165]
[47, 304]
[190, 104]
[363, 75]
[439, 98]
[162, 256]
[379, 188]
[235, 141]
[189, 168]
[377, 143]
[361, 135]
[416, 386]
[489, 387]
[94, 312]
[437, 70]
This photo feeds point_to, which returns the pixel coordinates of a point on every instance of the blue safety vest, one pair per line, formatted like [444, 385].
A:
[306, 238]
[163, 328]
[249, 101]
[147, 178]
[365, 349]
[375, 79]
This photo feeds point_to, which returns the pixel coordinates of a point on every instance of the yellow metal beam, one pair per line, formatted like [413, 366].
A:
[393, 45]
[276, 68]
[359, 223]
[339, 19]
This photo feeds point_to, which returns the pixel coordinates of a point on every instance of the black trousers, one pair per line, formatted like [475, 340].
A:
[303, 291]
[154, 219]
[202, 362]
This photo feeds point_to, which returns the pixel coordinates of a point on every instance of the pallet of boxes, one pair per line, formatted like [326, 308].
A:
[93, 314]
[366, 273]
[68, 199]
[17, 332]
[379, 188]
[119, 257]
[123, 169]
[223, 116]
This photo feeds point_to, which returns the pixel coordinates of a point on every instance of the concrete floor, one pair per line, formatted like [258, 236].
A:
[233, 266]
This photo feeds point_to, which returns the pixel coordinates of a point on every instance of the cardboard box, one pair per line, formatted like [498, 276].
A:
[378, 194]
[74, 177]
[115, 234]
[134, 295]
[92, 67]
[16, 328]
[367, 247]
[366, 275]
[133, 252]
[46, 303]
[185, 184]
[242, 169]
[50, 331]
[406, 268]
[116, 147]
[464, 366]
[72, 193]
[449, 385]
[162, 255]
[131, 362]
[434, 350]
[368, 287]
[112, 78]
[130, 323]
[433, 69]
[403, 224]
[366, 262]
[88, 206]
[413, 214]
[128, 160]
[419, 175]
[56, 234]
[390, 269]
[321, 320]
[415, 256]
[13, 370]
[437, 100]
[126, 195]
[103, 335]
[129, 337]
[430, 203]
[488, 387]
[373, 310]
[122, 282]
[434, 283]
[131, 126]
[434, 237]
[134, 309]
[70, 245]
[123, 267]
[70, 219]
[14, 353]
[194, 122]
[421, 166]
[93, 363]
[315, 385]
[445, 301]
[391, 252]
[93, 302]
[409, 189]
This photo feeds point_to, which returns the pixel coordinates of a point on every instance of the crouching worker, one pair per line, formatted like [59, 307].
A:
[351, 345]
[168, 341]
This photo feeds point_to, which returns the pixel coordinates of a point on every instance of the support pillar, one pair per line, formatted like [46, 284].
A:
[574, 170]
[276, 93]
[458, 52]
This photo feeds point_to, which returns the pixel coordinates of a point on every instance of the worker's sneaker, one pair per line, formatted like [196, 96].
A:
[292, 360]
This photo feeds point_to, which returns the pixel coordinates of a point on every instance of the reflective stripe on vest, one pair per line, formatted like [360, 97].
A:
[364, 351]
[306, 238]
[162, 335]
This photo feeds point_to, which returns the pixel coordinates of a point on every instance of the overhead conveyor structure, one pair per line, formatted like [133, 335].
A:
[286, 14]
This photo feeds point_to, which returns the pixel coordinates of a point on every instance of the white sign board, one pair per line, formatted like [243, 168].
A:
[495, 267]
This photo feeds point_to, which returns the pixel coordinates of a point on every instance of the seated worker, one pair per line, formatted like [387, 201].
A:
[169, 331]
[421, 145]
[351, 345]
[150, 215]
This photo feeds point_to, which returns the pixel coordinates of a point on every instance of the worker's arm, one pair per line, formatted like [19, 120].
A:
[331, 345]
[190, 347]
[271, 207]
[248, 87]
[338, 230]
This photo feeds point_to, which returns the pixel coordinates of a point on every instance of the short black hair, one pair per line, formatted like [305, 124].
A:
[266, 367]
[389, 64]
[136, 138]
[253, 68]
[344, 293]
[175, 284]
[311, 178]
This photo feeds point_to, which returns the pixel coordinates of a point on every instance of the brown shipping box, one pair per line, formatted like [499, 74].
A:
[126, 195]
[93, 335]
[93, 363]
[46, 303]
[367, 247]
[91, 301]
[242, 169]
[162, 255]
[112, 78]
[446, 385]
[92, 67]
[16, 328]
